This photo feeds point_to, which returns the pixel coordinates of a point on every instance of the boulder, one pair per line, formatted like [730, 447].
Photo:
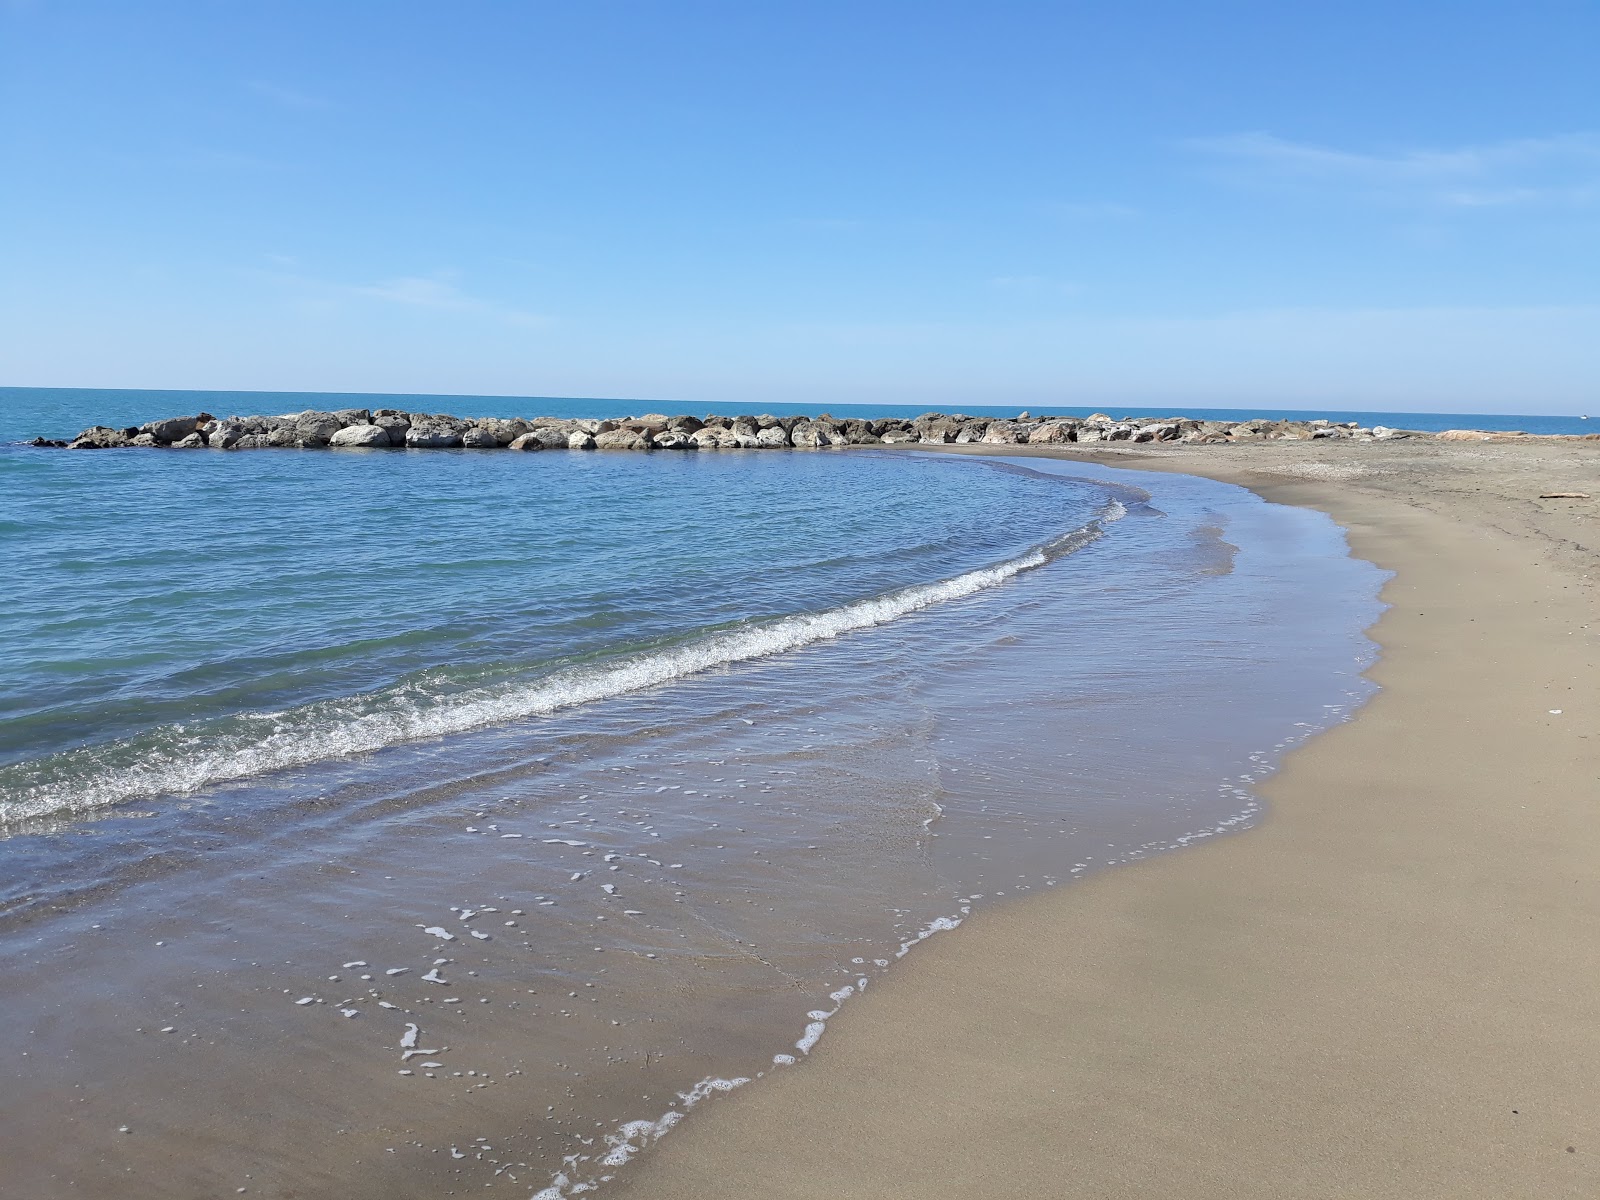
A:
[100, 437]
[316, 428]
[622, 439]
[686, 425]
[252, 441]
[936, 428]
[431, 435]
[224, 435]
[579, 439]
[772, 437]
[477, 438]
[530, 441]
[174, 428]
[395, 426]
[1052, 433]
[898, 437]
[972, 432]
[353, 416]
[714, 437]
[858, 432]
[503, 430]
[674, 439]
[195, 441]
[1164, 431]
[1004, 433]
[366, 437]
[808, 435]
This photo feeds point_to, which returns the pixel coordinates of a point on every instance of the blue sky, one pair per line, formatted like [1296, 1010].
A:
[1361, 205]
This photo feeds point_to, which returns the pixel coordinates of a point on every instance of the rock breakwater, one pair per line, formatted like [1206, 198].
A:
[392, 428]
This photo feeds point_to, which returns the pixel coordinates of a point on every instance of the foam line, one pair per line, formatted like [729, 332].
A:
[179, 760]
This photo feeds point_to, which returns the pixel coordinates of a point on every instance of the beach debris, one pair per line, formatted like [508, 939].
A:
[351, 1012]
[408, 1039]
[351, 965]
[397, 970]
[1563, 495]
[577, 875]
[609, 889]
[440, 932]
[306, 1000]
[433, 976]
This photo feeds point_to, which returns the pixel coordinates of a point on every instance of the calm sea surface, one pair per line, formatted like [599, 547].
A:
[388, 824]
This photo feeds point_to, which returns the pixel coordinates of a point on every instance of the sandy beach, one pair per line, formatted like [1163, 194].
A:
[1388, 988]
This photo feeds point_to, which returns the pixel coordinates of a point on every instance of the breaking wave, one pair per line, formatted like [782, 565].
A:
[183, 759]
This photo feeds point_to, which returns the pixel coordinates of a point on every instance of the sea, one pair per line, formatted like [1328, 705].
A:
[403, 824]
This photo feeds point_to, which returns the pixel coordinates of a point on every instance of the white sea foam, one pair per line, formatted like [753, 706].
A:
[178, 760]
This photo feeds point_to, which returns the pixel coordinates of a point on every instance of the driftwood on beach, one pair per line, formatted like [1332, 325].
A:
[392, 428]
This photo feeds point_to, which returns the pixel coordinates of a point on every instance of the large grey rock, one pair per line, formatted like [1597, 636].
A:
[580, 439]
[365, 437]
[175, 428]
[282, 435]
[898, 437]
[353, 416]
[531, 441]
[550, 437]
[1162, 431]
[714, 437]
[686, 424]
[972, 431]
[503, 430]
[99, 437]
[772, 437]
[195, 441]
[808, 435]
[674, 439]
[937, 428]
[224, 435]
[316, 428]
[252, 441]
[479, 439]
[1004, 433]
[622, 439]
[1052, 433]
[395, 426]
[431, 435]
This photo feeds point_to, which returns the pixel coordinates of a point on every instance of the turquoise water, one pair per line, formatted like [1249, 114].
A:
[184, 621]
[27, 413]
[603, 779]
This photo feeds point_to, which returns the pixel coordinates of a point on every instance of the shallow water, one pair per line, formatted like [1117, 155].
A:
[965, 680]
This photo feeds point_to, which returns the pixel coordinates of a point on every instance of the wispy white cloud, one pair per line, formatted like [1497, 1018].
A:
[1559, 169]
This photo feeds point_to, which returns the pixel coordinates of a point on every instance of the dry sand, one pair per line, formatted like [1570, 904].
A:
[1389, 988]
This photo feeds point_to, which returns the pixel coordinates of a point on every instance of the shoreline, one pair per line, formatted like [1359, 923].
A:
[1384, 988]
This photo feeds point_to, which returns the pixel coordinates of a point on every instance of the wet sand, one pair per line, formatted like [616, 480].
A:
[1388, 988]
